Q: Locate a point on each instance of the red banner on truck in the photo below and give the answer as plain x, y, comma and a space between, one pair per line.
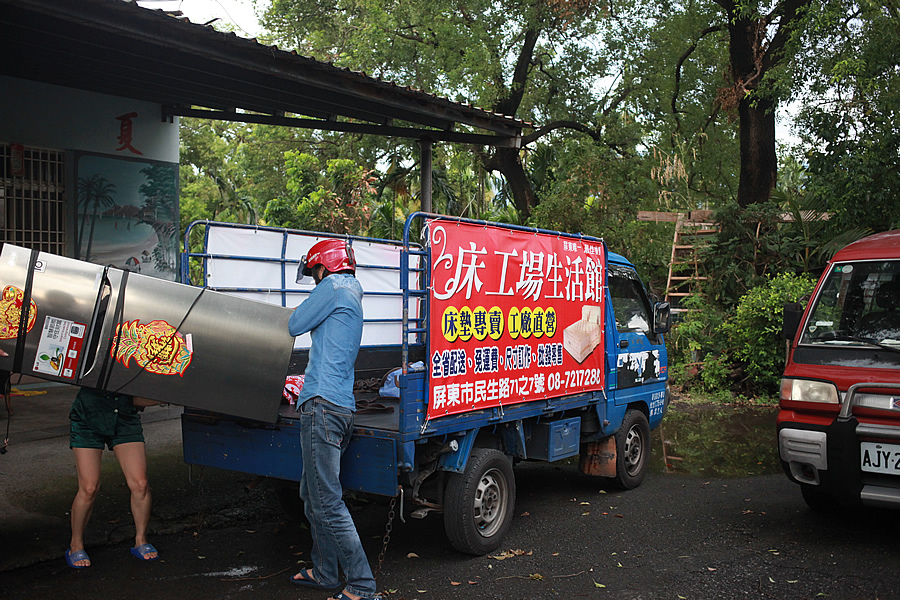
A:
516, 316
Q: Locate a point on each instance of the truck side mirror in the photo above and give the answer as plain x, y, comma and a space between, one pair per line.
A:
790, 322
662, 317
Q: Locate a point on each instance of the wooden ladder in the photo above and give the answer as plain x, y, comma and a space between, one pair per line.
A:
692, 230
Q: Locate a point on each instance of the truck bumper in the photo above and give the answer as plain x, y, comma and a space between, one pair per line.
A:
828, 457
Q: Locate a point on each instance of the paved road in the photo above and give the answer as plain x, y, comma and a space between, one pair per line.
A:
222, 535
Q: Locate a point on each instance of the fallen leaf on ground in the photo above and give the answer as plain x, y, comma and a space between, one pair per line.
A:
599, 585
455, 583
510, 553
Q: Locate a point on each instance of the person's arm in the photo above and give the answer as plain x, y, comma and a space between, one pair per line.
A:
312, 311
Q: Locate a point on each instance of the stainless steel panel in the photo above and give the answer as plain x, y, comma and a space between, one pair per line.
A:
193, 347
64, 294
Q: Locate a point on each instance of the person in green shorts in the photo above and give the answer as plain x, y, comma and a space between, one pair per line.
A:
104, 419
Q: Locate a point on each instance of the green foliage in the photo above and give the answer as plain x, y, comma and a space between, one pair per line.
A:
752, 245
337, 198
848, 120
741, 350
695, 343
754, 332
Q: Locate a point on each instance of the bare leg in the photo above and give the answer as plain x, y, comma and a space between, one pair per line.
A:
133, 460
87, 465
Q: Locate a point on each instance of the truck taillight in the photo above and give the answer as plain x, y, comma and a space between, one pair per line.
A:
807, 390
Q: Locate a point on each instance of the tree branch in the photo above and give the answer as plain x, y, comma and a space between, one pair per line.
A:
681, 60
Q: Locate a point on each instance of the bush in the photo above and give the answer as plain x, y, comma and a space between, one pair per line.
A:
754, 331
695, 343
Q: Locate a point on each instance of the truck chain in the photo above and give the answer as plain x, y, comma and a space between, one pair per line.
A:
387, 534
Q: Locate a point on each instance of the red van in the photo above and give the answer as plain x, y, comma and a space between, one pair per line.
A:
839, 418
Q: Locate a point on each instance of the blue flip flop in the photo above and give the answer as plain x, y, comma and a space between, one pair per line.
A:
343, 596
74, 557
143, 550
306, 580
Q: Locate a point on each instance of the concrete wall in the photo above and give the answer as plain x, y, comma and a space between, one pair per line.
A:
49, 116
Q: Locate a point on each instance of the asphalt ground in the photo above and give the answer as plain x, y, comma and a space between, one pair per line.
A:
228, 535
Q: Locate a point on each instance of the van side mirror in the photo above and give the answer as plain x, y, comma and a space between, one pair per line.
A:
662, 317
792, 313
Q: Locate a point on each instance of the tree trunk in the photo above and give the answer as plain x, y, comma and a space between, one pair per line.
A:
508, 162
759, 162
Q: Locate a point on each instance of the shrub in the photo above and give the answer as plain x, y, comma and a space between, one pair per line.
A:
694, 342
754, 332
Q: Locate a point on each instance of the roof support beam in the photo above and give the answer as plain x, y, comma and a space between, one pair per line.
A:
344, 126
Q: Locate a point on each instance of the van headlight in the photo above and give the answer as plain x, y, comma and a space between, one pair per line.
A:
807, 390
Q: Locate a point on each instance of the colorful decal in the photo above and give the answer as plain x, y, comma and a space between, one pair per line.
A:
517, 316
636, 368
156, 347
59, 347
11, 312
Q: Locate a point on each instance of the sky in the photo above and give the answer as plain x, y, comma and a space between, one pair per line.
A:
240, 13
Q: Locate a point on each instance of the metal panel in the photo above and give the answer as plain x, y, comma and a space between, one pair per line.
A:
368, 465
64, 294
193, 347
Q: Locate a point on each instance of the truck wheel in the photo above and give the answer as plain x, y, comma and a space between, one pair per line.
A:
816, 499
632, 450
478, 503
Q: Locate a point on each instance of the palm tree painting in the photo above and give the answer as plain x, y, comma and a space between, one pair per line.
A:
126, 214
94, 192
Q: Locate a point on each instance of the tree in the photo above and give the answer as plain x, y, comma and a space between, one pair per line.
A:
529, 59
761, 40
337, 198
850, 111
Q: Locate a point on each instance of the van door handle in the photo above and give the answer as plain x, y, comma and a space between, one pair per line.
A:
623, 344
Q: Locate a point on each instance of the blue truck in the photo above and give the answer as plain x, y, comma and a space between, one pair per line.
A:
484, 344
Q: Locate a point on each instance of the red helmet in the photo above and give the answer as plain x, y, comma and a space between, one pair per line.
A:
336, 255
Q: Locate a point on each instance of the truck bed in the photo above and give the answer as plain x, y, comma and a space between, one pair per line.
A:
367, 417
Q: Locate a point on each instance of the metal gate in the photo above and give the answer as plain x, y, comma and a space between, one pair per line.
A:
33, 198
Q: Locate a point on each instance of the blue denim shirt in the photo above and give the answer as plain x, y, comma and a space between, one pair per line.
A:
333, 314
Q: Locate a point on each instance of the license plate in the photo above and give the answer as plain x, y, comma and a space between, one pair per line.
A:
880, 458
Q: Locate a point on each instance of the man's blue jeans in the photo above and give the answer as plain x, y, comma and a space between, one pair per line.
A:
325, 430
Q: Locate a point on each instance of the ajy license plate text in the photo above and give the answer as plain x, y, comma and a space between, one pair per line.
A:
880, 458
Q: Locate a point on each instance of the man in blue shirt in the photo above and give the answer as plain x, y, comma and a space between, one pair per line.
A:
333, 315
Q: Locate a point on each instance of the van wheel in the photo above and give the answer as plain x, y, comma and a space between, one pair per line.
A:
478, 503
632, 450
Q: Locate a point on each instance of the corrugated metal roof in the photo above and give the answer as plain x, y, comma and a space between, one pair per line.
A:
118, 48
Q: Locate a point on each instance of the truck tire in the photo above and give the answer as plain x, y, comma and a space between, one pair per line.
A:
479, 502
632, 450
